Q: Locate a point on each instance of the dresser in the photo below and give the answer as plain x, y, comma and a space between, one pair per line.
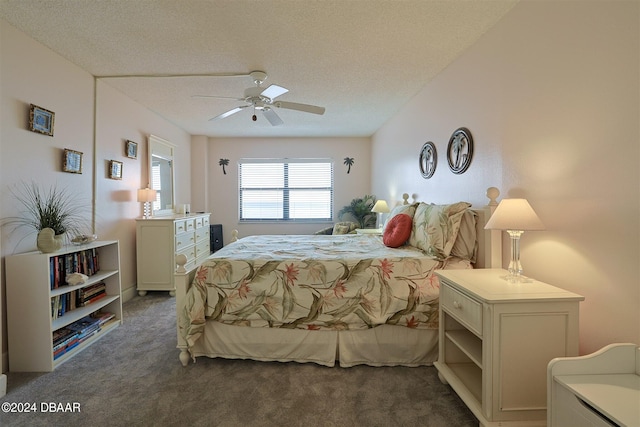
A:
496, 340
597, 390
160, 239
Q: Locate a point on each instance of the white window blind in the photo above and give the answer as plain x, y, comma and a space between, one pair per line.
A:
286, 189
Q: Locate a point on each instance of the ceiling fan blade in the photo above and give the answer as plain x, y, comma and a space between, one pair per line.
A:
273, 118
217, 97
299, 107
229, 113
274, 91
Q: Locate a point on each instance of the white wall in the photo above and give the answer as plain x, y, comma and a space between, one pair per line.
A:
31, 73
223, 193
121, 119
551, 96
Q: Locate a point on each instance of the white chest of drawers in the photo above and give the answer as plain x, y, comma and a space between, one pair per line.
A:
496, 339
160, 239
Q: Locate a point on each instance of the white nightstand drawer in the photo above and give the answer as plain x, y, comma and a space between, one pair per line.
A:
462, 307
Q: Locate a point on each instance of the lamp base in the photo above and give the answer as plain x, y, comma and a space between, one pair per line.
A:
516, 278
146, 210
515, 267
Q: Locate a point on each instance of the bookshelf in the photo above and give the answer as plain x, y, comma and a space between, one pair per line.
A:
39, 306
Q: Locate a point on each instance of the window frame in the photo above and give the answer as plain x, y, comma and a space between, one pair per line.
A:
286, 190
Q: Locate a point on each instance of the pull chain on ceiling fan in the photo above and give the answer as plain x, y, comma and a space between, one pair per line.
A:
263, 99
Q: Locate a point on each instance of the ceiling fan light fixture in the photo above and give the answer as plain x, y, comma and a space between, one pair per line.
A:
258, 77
263, 99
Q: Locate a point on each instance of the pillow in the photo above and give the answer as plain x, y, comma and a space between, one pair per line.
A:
324, 231
435, 228
466, 245
397, 231
402, 209
345, 227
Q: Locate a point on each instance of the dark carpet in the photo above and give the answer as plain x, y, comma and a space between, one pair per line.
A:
132, 377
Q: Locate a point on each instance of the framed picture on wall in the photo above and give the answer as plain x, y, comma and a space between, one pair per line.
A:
72, 162
115, 169
428, 159
131, 149
41, 120
460, 150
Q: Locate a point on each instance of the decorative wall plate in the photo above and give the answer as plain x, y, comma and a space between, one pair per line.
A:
428, 159
460, 150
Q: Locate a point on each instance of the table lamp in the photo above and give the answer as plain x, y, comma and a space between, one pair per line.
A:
145, 196
380, 208
515, 216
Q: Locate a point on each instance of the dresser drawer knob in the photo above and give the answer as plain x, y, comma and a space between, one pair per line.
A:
457, 305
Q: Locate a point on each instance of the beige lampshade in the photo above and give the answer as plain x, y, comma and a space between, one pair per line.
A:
514, 214
380, 207
146, 195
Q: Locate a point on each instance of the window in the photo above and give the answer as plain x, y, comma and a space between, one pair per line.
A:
286, 189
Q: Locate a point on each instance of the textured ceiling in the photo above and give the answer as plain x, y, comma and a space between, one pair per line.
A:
362, 60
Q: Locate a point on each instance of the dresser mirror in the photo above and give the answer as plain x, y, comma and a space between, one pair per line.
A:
161, 175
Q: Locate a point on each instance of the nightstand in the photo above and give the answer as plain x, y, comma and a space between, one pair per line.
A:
496, 340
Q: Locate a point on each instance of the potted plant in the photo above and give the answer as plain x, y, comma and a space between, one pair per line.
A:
359, 210
54, 214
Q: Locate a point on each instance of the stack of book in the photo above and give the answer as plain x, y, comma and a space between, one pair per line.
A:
65, 339
85, 328
103, 317
91, 294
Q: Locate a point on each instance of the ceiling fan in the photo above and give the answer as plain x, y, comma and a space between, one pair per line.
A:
264, 99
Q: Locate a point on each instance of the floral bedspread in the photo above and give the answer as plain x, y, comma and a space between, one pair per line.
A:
341, 282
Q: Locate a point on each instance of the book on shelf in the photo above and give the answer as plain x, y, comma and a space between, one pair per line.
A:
70, 336
91, 294
85, 327
84, 261
62, 334
90, 290
64, 349
93, 298
72, 340
103, 317
61, 304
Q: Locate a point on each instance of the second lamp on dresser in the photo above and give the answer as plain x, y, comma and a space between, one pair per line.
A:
160, 239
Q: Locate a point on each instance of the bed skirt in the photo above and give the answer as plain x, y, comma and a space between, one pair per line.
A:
384, 345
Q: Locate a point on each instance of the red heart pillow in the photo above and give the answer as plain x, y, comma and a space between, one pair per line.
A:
397, 231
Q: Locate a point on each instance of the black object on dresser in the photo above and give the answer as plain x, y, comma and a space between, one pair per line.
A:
215, 234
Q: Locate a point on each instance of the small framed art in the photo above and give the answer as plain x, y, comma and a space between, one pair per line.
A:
115, 169
460, 150
41, 120
428, 160
72, 161
131, 149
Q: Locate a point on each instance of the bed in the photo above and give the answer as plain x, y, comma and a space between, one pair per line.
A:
347, 299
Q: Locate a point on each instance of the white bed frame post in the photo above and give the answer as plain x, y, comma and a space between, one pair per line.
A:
182, 279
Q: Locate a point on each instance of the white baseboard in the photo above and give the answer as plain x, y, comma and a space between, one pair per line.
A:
129, 293
3, 385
